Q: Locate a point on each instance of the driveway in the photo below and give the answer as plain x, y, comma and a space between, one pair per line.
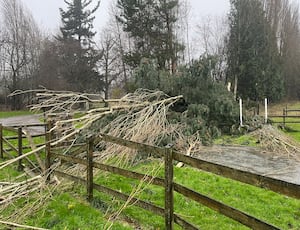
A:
23, 121
253, 160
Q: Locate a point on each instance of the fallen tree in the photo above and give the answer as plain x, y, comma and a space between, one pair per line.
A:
141, 116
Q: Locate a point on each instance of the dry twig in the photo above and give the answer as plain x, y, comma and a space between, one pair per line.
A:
272, 140
139, 117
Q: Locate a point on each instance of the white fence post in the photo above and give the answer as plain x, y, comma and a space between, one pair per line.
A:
266, 110
241, 112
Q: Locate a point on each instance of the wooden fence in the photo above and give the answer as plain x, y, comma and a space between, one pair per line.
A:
169, 155
289, 116
13, 146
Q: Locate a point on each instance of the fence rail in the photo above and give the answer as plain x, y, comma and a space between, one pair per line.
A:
169, 155
18, 147
286, 116
289, 189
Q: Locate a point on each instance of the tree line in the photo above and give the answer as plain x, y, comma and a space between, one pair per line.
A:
253, 53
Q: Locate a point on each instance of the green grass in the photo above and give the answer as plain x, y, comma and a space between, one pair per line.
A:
65, 211
69, 210
25, 142
7, 114
8, 174
242, 140
291, 129
266, 205
14, 142
271, 207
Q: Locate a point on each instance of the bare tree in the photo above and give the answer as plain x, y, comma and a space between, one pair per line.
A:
290, 52
20, 36
114, 42
108, 62
211, 34
283, 16
182, 31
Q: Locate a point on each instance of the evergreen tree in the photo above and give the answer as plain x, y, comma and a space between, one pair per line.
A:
78, 22
78, 56
207, 107
150, 25
253, 57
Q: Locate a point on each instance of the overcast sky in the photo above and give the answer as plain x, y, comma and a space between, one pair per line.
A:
46, 12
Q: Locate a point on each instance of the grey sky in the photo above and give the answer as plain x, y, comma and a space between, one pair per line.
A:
46, 12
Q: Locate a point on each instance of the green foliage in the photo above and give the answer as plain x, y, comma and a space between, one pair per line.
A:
79, 70
252, 53
200, 88
77, 55
209, 105
147, 75
77, 21
150, 24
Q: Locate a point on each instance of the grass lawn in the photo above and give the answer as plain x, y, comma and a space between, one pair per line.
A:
69, 210
244, 140
6, 114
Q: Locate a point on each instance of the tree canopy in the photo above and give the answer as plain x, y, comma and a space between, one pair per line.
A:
79, 56
150, 25
252, 52
77, 21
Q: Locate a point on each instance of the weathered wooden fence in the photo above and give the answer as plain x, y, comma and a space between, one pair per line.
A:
289, 116
169, 155
12, 146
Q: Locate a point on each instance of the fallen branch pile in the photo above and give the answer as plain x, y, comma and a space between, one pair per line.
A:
273, 140
139, 116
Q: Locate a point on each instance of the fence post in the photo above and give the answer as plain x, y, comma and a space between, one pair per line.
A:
89, 184
20, 146
266, 110
169, 203
241, 112
48, 137
1, 141
284, 115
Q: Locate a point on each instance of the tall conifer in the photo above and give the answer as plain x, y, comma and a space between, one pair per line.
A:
252, 52
79, 56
